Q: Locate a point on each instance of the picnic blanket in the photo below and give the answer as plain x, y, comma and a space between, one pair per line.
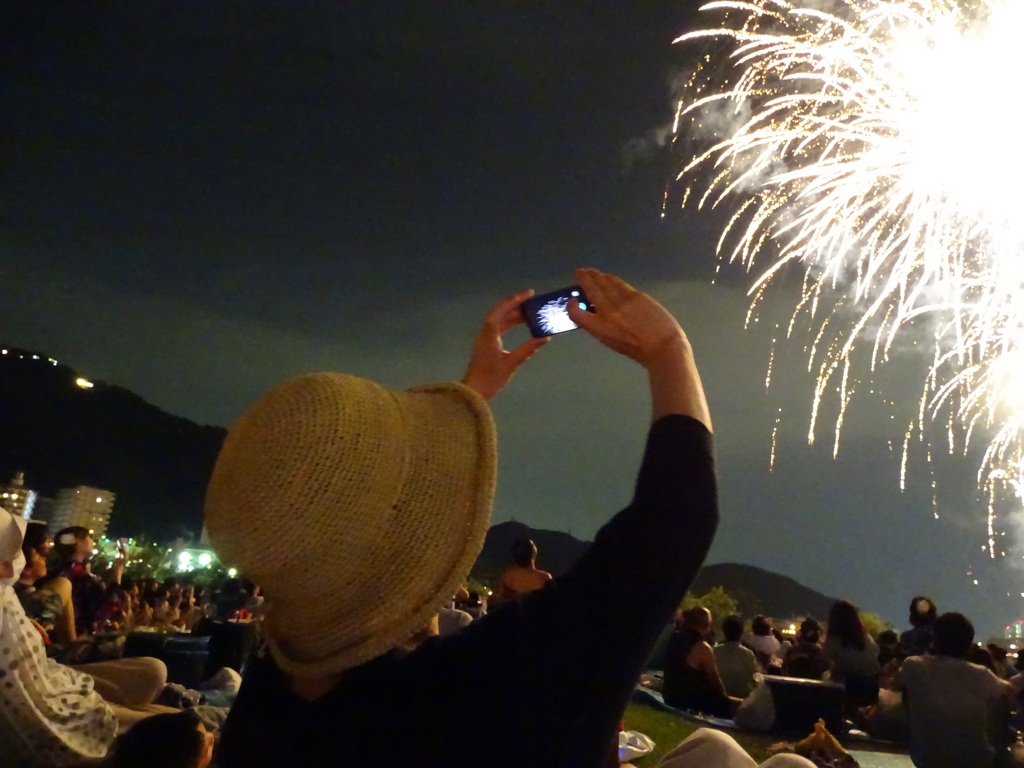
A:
858, 744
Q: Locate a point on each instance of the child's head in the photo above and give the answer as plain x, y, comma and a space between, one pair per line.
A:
177, 740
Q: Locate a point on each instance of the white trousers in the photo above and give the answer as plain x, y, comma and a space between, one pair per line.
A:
708, 748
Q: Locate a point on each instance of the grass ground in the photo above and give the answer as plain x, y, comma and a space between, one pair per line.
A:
667, 730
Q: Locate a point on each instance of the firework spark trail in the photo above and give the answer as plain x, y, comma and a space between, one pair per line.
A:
876, 146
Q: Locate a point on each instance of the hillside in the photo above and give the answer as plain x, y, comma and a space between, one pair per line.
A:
61, 434
761, 591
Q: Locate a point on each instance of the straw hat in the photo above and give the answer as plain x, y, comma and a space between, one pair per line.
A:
358, 509
12, 533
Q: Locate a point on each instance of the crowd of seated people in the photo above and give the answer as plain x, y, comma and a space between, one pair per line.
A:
70, 605
65, 696
957, 703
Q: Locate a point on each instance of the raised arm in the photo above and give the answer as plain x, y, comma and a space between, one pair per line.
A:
635, 325
491, 365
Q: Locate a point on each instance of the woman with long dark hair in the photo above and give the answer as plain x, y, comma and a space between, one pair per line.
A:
852, 654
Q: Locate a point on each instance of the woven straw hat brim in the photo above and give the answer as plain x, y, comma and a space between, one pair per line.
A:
358, 509
12, 534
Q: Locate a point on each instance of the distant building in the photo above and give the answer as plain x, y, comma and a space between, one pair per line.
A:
84, 506
17, 499
43, 510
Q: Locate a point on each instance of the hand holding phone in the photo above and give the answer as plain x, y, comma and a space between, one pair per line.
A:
547, 314
491, 365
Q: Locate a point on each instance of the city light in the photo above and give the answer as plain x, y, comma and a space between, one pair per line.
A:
232, 572
205, 559
83, 383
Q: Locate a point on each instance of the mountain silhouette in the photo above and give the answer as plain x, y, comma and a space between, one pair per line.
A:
62, 433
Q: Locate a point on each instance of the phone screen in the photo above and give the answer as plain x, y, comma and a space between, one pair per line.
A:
546, 314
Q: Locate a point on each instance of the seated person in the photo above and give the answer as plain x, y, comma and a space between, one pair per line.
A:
229, 600
188, 611
917, 641
1001, 659
122, 603
178, 740
736, 663
762, 641
390, 517
451, 620
957, 709
46, 601
806, 658
691, 674
523, 575
852, 655
888, 647
474, 606
166, 604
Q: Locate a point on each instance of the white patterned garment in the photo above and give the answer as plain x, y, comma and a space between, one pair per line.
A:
49, 713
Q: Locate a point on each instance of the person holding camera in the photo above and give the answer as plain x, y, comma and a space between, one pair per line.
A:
390, 493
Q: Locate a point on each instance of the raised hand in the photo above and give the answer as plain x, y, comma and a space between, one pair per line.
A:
490, 364
635, 325
626, 320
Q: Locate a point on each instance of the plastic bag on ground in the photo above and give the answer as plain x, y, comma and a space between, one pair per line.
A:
633, 744
757, 712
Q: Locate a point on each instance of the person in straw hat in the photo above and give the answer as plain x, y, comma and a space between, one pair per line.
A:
389, 493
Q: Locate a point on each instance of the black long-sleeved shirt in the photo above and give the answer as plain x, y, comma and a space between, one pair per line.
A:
540, 681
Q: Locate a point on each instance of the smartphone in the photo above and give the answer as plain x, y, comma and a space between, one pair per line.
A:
546, 314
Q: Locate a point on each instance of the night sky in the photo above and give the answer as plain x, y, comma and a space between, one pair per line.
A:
199, 199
